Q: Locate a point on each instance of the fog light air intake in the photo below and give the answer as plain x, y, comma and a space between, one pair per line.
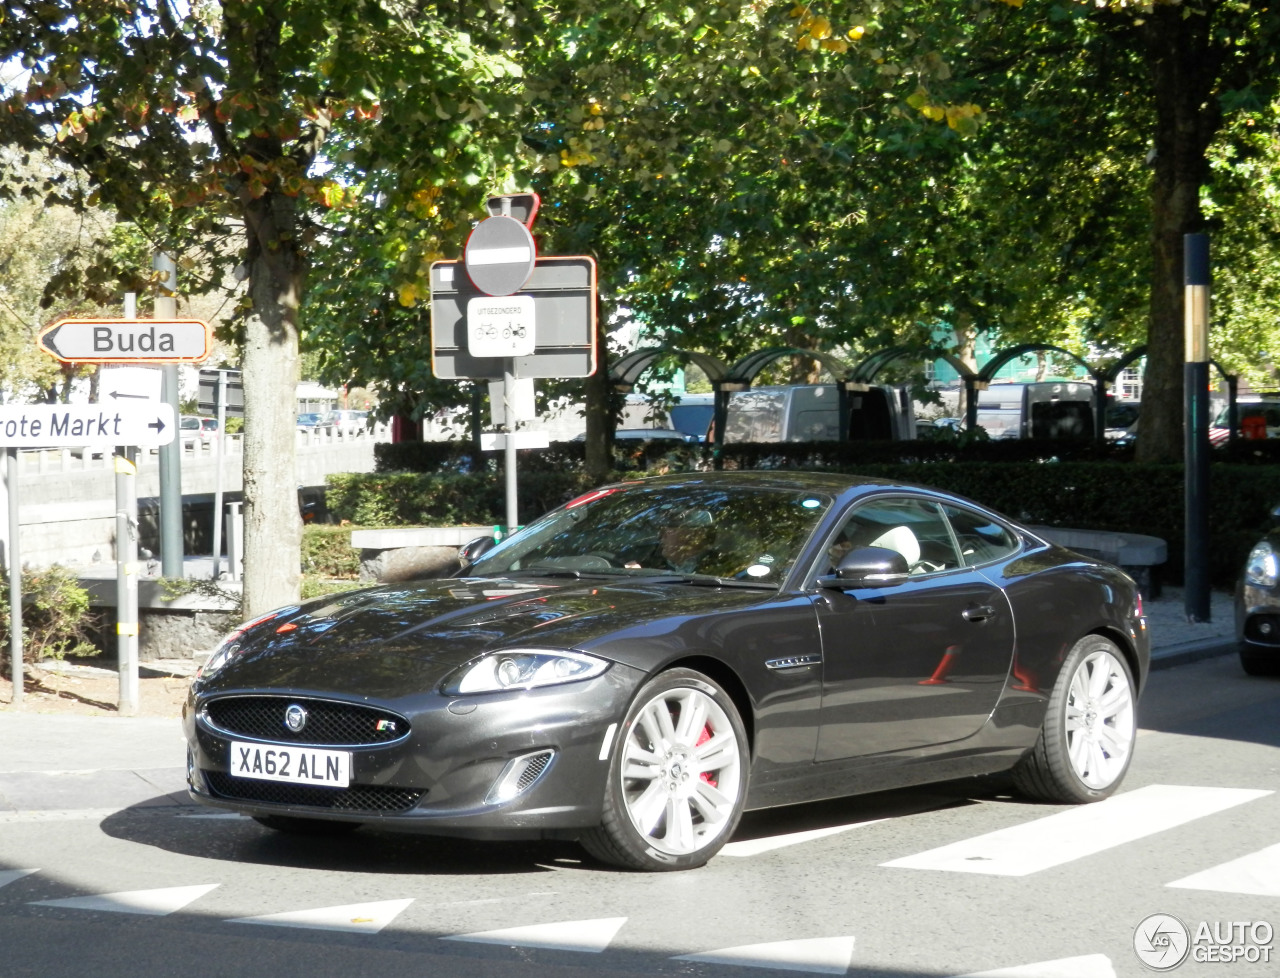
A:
520, 774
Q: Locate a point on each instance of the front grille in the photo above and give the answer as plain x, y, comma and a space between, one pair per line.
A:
357, 798
329, 723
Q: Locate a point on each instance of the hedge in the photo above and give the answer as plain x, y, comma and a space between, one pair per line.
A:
1056, 484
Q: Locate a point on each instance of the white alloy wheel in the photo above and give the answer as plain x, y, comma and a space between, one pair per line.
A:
681, 771
677, 780
1100, 722
1089, 729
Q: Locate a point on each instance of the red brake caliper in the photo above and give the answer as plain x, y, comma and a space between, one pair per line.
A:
702, 739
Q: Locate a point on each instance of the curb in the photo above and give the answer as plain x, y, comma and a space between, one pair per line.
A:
1187, 652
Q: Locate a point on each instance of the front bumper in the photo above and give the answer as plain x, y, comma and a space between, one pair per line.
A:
443, 777
1257, 612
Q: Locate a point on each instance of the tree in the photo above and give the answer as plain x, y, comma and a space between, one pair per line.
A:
200, 121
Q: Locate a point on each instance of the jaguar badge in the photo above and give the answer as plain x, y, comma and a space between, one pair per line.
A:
295, 717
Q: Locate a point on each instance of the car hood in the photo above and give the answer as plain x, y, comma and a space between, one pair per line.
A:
387, 641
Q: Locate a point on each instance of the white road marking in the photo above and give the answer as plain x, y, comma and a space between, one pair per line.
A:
590, 936
1085, 966
59, 815
1078, 832
753, 847
8, 876
152, 903
821, 955
351, 918
1257, 874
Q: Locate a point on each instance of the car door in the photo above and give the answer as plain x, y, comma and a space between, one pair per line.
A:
916, 663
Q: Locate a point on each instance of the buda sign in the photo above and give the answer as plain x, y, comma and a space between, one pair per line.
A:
127, 341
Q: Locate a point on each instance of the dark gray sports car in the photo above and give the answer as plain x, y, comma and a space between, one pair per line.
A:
641, 665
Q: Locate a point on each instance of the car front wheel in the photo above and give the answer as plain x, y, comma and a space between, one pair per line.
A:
677, 777
1086, 741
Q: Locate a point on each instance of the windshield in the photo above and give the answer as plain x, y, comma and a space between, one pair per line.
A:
747, 533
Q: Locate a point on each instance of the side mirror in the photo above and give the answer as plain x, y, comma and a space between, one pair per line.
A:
868, 567
473, 550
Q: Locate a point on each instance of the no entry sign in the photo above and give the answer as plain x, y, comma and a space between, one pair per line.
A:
499, 256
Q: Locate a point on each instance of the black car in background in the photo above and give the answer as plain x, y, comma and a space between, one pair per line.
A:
1258, 606
638, 667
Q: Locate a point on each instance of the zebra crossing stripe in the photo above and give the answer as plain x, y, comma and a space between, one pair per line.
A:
351, 918
1257, 874
8, 876
151, 903
1084, 966
754, 847
822, 955
589, 936
1078, 832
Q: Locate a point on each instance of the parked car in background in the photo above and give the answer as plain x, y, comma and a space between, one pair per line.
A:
1257, 419
312, 422
643, 664
1258, 606
811, 412
347, 421
193, 428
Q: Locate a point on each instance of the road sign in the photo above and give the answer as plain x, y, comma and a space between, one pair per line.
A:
118, 383
500, 326
77, 425
563, 289
127, 340
499, 256
207, 399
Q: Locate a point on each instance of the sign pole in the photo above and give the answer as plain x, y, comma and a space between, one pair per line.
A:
15, 580
127, 578
1196, 602
171, 545
220, 393
509, 425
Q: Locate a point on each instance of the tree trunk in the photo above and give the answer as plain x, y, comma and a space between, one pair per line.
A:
1187, 117
272, 524
599, 407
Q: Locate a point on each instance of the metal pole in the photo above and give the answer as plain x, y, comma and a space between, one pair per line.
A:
509, 457
127, 578
1196, 382
171, 544
220, 399
15, 580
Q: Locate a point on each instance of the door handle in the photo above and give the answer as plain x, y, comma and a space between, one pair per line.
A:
980, 613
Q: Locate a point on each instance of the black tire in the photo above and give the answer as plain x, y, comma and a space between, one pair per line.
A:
1083, 751
686, 794
1256, 664
293, 825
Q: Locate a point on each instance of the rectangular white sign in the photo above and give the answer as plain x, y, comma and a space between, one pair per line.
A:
497, 441
74, 425
500, 326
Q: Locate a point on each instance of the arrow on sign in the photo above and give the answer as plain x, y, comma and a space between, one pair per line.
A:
127, 341
158, 425
136, 397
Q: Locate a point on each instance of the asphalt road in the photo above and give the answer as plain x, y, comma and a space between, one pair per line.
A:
106, 871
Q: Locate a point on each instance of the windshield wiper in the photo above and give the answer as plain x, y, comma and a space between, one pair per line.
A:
706, 580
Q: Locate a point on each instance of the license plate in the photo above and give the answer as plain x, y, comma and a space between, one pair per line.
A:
296, 765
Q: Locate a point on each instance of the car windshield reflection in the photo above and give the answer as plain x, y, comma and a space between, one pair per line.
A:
698, 534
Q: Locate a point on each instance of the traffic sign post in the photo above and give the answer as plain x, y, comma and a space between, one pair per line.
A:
482, 329
127, 341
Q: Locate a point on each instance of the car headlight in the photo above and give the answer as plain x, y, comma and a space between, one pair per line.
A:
230, 645
523, 669
1262, 569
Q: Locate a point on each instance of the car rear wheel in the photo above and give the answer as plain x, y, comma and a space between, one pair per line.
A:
677, 777
1086, 741
294, 825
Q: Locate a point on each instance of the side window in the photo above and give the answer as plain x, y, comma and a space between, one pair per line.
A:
980, 538
914, 528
